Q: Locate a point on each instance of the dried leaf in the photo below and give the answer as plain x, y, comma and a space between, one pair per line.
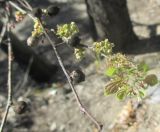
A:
151, 79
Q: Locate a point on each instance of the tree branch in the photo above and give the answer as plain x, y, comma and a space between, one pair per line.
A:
9, 100
3, 32
81, 106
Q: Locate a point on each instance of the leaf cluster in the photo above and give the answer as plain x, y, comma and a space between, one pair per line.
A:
127, 78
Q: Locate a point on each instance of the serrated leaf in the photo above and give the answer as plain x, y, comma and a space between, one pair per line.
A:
122, 92
112, 87
151, 79
121, 95
110, 71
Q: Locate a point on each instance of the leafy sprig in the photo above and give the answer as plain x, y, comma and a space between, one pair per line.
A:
127, 78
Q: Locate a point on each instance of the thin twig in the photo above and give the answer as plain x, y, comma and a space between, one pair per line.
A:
21, 10
3, 31
29, 6
81, 106
25, 4
9, 100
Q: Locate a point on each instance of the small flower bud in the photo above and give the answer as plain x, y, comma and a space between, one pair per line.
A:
37, 12
77, 76
79, 53
19, 16
53, 10
74, 41
20, 107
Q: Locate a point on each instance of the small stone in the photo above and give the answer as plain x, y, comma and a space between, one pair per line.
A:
53, 127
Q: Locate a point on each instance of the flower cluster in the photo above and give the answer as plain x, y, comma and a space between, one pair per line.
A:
103, 47
119, 61
79, 53
38, 30
66, 31
19, 16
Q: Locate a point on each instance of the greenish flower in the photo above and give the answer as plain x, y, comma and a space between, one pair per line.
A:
66, 31
38, 29
103, 47
79, 53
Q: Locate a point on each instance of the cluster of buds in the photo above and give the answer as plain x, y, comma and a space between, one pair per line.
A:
19, 16
103, 47
36, 33
69, 33
119, 61
79, 53
38, 29
66, 31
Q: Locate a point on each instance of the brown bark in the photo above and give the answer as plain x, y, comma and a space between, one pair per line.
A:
112, 21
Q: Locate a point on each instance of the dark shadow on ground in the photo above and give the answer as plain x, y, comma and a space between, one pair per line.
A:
145, 45
148, 45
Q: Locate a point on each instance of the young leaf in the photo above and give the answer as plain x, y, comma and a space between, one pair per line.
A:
143, 67
141, 93
121, 95
110, 71
113, 86
122, 92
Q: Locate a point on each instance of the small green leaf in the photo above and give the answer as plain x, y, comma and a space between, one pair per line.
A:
131, 70
121, 95
112, 87
141, 93
122, 92
143, 67
110, 71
